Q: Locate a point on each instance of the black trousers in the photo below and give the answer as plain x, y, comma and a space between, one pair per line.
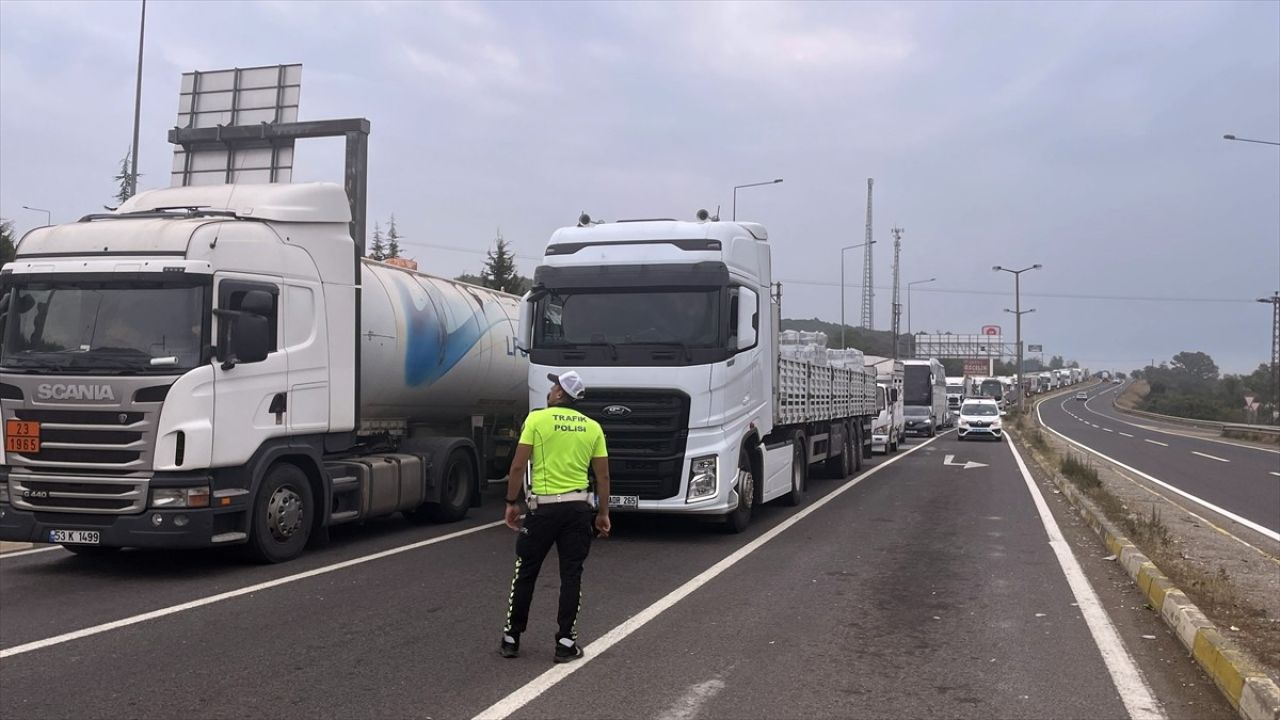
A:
568, 527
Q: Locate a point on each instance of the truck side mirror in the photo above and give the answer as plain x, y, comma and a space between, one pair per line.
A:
748, 318
524, 324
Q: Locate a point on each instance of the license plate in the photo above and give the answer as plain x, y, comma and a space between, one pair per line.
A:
624, 501
75, 537
21, 436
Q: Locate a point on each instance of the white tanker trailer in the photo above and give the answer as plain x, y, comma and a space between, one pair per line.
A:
201, 368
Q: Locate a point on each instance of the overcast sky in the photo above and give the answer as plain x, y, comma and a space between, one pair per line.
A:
1086, 137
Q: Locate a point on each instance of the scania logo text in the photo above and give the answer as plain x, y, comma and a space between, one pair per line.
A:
617, 411
67, 391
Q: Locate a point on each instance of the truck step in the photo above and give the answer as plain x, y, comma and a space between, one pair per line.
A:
227, 537
342, 517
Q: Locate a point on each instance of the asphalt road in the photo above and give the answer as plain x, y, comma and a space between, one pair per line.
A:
920, 589
1226, 476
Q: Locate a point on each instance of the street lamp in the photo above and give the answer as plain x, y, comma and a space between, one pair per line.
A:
909, 286
843, 344
1274, 302
749, 185
1240, 139
48, 216
1018, 312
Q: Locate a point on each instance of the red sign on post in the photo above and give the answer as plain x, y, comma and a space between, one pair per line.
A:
990, 329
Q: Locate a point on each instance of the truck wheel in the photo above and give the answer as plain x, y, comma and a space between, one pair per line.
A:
839, 466
455, 491
862, 449
282, 515
740, 517
91, 550
799, 472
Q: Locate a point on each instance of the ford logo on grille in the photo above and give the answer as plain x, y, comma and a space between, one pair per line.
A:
617, 411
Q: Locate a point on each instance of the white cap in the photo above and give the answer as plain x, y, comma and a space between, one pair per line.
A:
570, 382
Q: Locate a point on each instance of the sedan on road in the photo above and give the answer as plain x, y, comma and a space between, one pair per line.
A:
980, 417
1082, 396
919, 421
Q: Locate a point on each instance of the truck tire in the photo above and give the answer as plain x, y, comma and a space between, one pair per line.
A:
839, 466
740, 517
799, 472
456, 484
283, 509
863, 448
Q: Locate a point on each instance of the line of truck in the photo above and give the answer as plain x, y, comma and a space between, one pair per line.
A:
217, 365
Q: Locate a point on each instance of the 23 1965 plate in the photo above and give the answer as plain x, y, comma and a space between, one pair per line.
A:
22, 436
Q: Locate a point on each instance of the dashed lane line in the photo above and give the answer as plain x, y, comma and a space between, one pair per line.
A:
1261, 530
1155, 442
1126, 434
1211, 457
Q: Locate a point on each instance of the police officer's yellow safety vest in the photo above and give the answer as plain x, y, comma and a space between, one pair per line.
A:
564, 442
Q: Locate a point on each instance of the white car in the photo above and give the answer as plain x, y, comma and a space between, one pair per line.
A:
1082, 396
980, 417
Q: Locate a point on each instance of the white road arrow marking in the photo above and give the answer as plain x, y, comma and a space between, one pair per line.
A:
950, 460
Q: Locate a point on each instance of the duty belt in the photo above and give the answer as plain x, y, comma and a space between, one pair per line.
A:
574, 496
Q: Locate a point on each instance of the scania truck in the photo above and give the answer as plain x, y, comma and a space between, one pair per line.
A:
673, 326
216, 365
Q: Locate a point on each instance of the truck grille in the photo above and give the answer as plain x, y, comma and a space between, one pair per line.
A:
91, 439
78, 493
647, 433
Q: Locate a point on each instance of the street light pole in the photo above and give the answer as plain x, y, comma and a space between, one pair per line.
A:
137, 106
1274, 302
1018, 312
1240, 139
843, 343
48, 216
909, 286
749, 185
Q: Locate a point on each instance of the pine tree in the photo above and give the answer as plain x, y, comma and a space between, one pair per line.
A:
377, 250
499, 271
7, 244
393, 240
125, 179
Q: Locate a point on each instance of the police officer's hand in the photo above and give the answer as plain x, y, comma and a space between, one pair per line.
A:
602, 523
513, 516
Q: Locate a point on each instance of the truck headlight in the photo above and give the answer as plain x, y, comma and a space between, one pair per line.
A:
880, 430
703, 478
191, 497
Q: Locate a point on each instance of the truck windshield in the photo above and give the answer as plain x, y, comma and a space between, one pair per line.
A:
686, 318
109, 327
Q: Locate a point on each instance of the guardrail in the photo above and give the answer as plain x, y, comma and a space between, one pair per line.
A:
1271, 432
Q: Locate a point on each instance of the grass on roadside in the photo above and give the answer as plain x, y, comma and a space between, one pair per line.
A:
1080, 471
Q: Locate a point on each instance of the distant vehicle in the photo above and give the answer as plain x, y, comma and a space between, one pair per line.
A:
888, 430
955, 395
925, 388
1116, 381
980, 417
1082, 396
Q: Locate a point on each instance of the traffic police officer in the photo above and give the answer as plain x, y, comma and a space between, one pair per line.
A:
562, 443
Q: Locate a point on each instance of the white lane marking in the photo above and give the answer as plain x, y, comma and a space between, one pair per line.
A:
1211, 457
1155, 442
524, 695
1126, 434
687, 707
1108, 429
1276, 474
20, 553
201, 602
1203, 503
1219, 441
1134, 691
1093, 425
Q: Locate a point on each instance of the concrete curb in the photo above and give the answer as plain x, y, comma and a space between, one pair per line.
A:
1251, 692
8, 547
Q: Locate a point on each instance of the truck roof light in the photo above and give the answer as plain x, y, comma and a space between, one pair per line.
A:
584, 220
